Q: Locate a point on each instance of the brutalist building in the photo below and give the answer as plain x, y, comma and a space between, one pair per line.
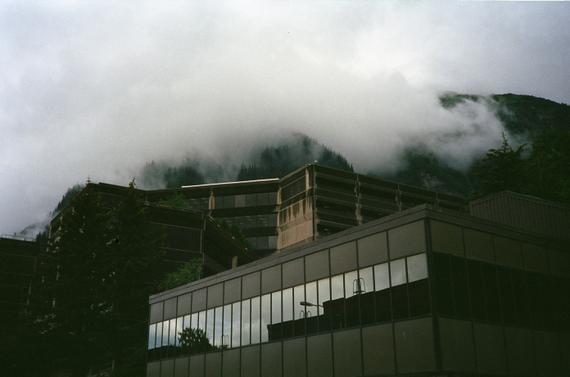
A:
423, 292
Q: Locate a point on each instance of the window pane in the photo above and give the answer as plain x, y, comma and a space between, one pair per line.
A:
299, 296
245, 322
417, 267
398, 272
186, 323
337, 286
381, 277
287, 304
350, 283
158, 334
255, 320
179, 322
265, 316
236, 324
366, 281
202, 320
210, 325
276, 307
324, 287
151, 335
311, 299
172, 334
165, 333
227, 326
218, 326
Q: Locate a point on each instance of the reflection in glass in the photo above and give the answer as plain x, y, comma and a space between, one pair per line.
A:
172, 334
351, 285
366, 280
186, 323
236, 324
398, 272
218, 326
276, 307
311, 293
202, 320
299, 296
381, 277
417, 268
179, 321
165, 333
227, 325
210, 325
245, 322
265, 316
324, 294
287, 304
337, 287
151, 335
194, 321
158, 334
255, 320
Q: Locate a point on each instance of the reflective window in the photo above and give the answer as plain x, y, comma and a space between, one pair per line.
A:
172, 334
151, 336
351, 284
287, 304
186, 323
265, 316
165, 333
299, 297
417, 268
381, 277
210, 325
337, 287
194, 321
246, 322
366, 280
255, 320
324, 288
236, 324
179, 322
218, 326
227, 325
202, 320
275, 315
159, 334
398, 272
311, 299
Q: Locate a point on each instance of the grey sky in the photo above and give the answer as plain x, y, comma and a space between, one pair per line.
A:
99, 88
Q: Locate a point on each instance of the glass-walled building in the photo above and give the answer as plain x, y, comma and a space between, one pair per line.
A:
421, 292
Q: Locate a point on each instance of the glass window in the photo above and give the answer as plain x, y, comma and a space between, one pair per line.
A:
159, 334
324, 287
218, 323
172, 335
276, 307
311, 299
194, 321
151, 336
165, 333
417, 268
299, 297
337, 287
245, 323
210, 325
287, 304
236, 324
265, 316
351, 284
398, 272
381, 277
365, 280
255, 320
186, 323
227, 331
240, 200
179, 322
202, 320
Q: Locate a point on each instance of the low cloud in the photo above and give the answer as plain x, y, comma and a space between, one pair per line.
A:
99, 89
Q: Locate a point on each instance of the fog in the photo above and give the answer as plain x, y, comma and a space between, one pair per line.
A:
97, 89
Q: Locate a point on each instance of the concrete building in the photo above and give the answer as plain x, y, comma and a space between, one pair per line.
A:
421, 292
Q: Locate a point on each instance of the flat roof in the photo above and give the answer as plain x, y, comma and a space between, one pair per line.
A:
264, 180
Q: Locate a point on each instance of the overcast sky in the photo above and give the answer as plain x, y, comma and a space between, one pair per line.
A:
96, 89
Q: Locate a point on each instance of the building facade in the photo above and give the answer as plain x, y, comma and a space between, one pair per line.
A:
422, 292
